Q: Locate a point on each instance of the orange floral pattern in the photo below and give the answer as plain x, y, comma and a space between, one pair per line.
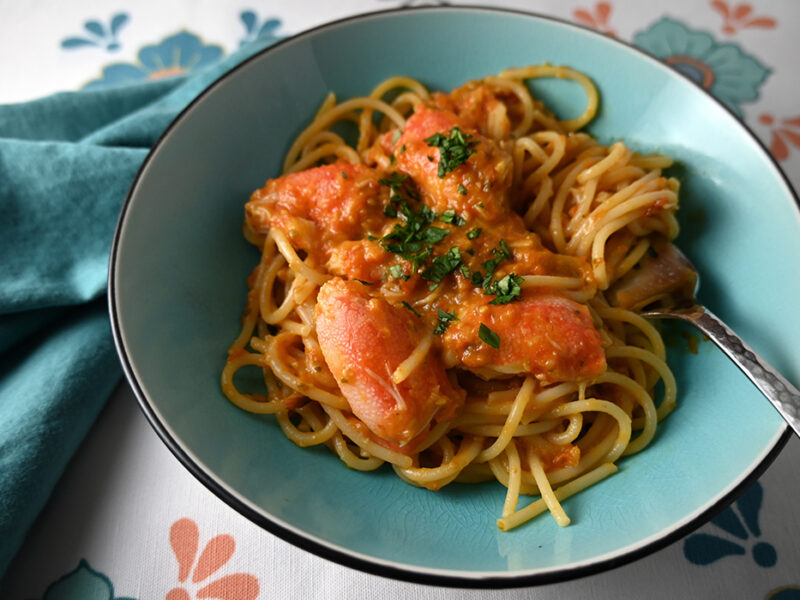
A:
740, 16
784, 135
184, 538
596, 18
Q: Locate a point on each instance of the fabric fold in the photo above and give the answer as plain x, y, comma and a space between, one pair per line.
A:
66, 164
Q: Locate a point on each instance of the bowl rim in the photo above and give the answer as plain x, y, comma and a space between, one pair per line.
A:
357, 560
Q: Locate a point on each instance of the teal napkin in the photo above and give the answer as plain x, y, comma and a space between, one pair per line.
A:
66, 163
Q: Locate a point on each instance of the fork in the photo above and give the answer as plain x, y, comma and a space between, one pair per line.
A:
782, 394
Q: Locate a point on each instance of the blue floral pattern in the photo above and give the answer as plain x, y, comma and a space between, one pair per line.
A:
175, 55
722, 68
706, 548
256, 30
84, 583
97, 35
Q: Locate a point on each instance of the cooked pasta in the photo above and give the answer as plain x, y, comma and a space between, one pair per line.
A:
433, 290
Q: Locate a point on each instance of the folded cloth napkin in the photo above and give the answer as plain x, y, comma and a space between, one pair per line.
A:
66, 163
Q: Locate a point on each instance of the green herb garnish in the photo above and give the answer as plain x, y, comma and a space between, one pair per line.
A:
432, 235
474, 233
396, 271
412, 238
462, 190
450, 216
506, 289
344, 174
454, 149
394, 181
362, 282
442, 266
500, 255
489, 336
477, 278
445, 318
411, 308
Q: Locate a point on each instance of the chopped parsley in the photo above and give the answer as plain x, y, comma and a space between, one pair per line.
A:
432, 235
442, 266
396, 271
344, 174
500, 255
450, 216
454, 149
464, 270
396, 136
411, 308
489, 336
394, 181
506, 289
413, 238
402, 148
415, 252
462, 190
445, 318
474, 233
491, 265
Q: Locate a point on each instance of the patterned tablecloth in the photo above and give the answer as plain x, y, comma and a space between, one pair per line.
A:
127, 521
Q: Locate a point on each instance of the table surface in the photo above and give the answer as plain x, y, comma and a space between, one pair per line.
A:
115, 525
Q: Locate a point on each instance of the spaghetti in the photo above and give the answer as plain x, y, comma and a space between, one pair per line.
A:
434, 294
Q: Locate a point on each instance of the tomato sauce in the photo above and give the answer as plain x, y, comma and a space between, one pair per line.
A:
432, 245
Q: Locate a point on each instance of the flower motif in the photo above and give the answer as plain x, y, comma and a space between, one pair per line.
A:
738, 17
175, 55
83, 582
256, 31
788, 132
597, 18
706, 548
184, 538
722, 68
97, 34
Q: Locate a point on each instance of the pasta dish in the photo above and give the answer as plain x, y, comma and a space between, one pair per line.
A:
448, 284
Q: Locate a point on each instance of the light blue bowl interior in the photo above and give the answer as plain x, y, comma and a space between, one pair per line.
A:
182, 263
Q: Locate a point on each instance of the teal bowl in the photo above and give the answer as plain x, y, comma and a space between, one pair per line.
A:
177, 288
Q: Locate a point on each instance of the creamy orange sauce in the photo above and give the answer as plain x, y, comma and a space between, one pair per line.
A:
379, 306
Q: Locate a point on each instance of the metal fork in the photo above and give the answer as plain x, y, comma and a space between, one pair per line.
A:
782, 394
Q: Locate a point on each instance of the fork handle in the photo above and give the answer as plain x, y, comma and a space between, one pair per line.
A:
783, 395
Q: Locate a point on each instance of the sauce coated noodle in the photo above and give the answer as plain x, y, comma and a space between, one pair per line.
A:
433, 294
